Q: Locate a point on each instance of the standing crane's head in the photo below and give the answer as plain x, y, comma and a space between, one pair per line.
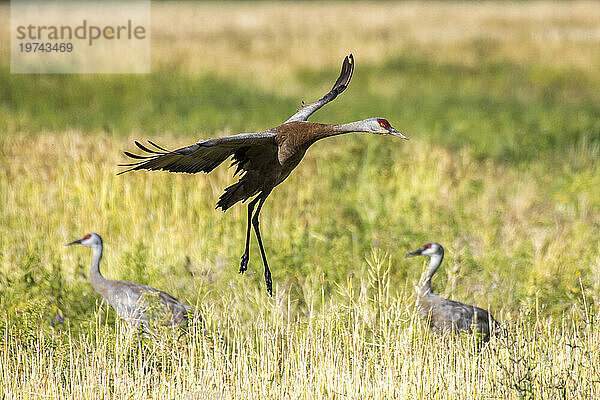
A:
429, 249
90, 240
380, 126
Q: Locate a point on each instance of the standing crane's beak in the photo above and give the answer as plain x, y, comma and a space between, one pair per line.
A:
78, 241
414, 253
394, 132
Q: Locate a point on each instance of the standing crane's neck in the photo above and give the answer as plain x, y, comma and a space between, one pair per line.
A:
424, 286
95, 276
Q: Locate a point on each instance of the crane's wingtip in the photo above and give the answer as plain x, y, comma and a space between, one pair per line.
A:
157, 146
135, 156
150, 151
127, 170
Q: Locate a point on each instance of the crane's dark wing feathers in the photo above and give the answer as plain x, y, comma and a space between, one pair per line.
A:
157, 146
147, 150
203, 156
338, 87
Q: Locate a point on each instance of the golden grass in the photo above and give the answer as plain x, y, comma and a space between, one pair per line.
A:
266, 37
521, 240
497, 221
268, 42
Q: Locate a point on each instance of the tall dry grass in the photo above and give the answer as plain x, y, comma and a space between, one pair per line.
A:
365, 344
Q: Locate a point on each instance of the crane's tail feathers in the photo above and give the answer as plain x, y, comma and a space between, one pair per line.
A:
229, 198
234, 193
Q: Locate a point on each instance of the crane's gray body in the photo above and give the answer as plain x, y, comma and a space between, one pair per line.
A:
444, 315
137, 303
133, 302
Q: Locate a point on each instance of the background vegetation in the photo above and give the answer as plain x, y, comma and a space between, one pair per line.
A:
501, 104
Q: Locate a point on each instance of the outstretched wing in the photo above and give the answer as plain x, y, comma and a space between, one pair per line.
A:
203, 156
340, 85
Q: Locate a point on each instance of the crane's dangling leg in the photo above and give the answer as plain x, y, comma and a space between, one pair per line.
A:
246, 255
255, 223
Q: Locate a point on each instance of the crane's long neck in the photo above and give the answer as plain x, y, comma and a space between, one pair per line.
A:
357, 126
424, 286
334, 130
95, 276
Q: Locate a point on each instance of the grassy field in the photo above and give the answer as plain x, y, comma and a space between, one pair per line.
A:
501, 103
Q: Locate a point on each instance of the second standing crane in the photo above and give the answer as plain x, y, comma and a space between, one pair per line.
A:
443, 314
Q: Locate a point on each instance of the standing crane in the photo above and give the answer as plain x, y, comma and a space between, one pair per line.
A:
265, 159
443, 314
134, 302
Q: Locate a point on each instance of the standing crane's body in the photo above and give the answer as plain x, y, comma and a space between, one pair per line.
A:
133, 302
266, 159
444, 315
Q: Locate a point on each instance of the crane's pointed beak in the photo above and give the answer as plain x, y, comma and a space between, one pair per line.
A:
414, 253
396, 133
78, 241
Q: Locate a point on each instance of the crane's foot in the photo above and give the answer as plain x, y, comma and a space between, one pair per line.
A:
244, 263
269, 282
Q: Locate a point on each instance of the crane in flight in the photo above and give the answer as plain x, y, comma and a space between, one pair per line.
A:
264, 159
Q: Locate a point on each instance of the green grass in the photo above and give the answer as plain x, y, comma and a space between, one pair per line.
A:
504, 111
513, 134
511, 131
155, 103
513, 232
